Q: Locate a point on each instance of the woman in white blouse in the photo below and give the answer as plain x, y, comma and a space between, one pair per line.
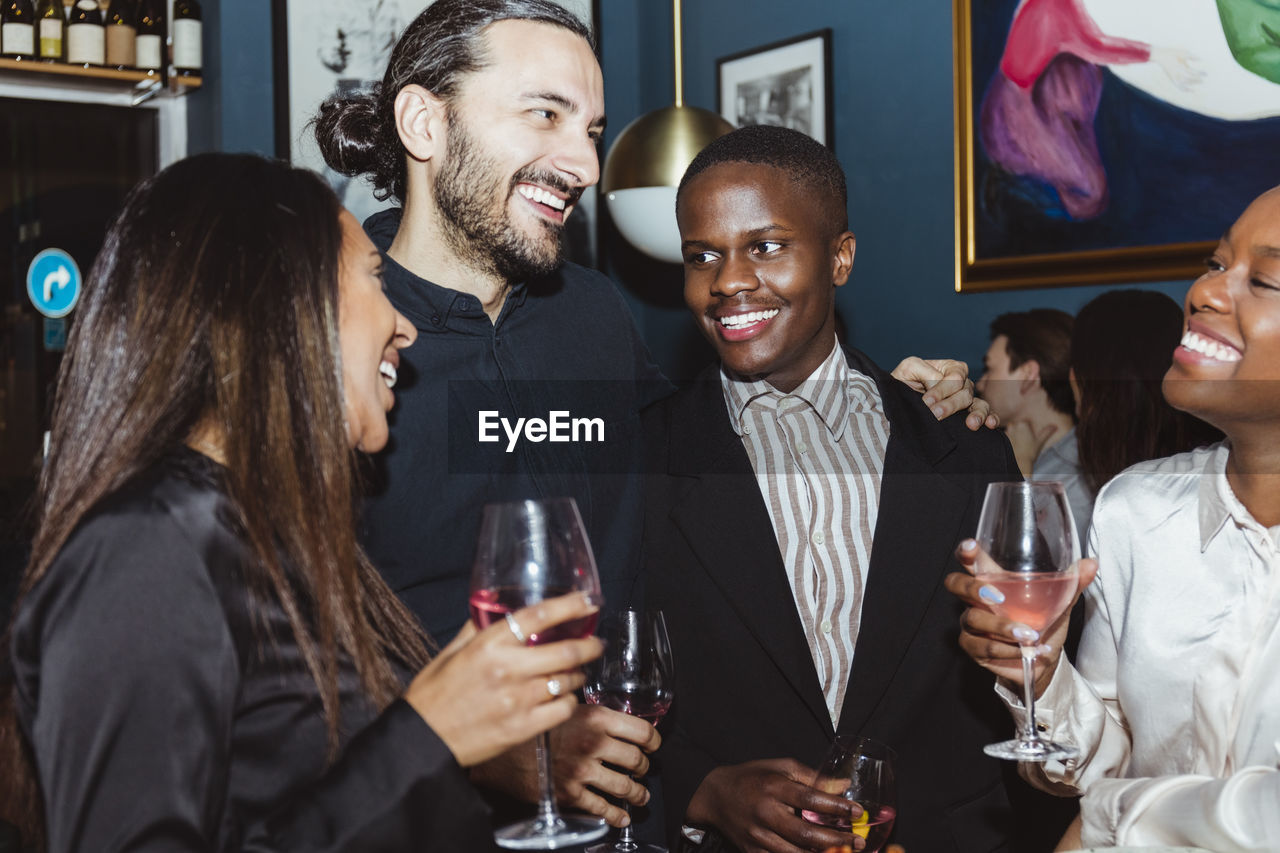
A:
1174, 699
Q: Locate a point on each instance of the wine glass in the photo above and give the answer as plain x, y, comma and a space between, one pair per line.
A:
860, 769
528, 551
635, 676
1028, 550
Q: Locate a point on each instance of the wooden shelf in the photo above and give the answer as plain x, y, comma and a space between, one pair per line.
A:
148, 82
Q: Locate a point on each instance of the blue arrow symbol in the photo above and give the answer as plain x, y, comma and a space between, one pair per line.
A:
61, 277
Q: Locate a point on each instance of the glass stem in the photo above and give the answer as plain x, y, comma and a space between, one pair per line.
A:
547, 801
626, 839
1029, 733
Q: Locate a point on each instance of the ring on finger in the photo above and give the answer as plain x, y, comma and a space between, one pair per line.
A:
515, 630
554, 687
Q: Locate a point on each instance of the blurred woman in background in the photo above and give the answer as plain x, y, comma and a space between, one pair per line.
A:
1120, 351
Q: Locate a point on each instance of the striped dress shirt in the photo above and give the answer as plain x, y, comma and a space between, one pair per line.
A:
818, 455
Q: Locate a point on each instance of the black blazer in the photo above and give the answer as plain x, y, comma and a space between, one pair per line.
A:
746, 687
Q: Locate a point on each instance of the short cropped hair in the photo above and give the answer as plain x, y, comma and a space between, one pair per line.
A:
1042, 335
806, 160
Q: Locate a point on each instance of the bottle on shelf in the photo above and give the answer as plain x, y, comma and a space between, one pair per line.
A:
151, 35
17, 29
86, 36
51, 30
122, 34
188, 55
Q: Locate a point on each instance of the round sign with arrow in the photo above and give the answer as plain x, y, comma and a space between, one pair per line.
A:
53, 283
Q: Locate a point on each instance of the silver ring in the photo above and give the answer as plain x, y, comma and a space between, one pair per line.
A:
554, 687
515, 630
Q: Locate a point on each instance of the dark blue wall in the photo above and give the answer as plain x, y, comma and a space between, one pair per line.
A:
234, 110
892, 81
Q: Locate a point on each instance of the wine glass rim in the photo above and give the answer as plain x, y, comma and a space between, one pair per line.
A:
1028, 486
866, 745
537, 501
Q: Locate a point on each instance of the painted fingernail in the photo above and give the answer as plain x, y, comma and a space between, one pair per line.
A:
990, 593
969, 545
1023, 634
937, 411
1044, 649
929, 399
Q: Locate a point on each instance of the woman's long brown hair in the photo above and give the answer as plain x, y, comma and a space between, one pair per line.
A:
1121, 346
213, 304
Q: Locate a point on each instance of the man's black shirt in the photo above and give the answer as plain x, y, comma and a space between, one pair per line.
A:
562, 343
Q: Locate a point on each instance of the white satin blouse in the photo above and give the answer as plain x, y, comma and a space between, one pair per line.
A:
1174, 700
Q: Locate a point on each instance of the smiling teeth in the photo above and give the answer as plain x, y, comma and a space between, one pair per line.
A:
737, 321
1210, 348
388, 371
541, 196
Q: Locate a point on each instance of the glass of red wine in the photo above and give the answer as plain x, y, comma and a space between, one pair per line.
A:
634, 675
1028, 550
529, 551
860, 769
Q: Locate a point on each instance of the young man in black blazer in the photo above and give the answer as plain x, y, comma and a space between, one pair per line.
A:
802, 512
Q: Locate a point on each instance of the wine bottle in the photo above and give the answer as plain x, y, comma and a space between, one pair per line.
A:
17, 29
86, 37
51, 25
122, 35
151, 35
188, 55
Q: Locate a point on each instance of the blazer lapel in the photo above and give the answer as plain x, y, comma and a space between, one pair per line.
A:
726, 523
917, 528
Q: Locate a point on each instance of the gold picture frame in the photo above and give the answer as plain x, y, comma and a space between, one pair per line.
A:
1055, 258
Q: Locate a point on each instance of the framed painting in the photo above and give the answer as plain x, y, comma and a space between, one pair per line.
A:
787, 83
339, 47
1104, 141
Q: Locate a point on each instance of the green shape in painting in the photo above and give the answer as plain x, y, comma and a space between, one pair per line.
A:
1252, 28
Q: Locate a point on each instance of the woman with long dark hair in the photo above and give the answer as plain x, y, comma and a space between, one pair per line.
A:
203, 657
1120, 347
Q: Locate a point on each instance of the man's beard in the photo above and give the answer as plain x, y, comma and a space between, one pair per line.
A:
474, 201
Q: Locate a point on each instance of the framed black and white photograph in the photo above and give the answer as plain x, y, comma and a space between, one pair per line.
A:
327, 47
787, 83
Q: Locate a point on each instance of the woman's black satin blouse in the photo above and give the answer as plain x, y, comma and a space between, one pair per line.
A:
168, 707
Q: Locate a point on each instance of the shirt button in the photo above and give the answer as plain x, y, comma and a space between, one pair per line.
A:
435, 319
819, 539
802, 447
746, 430
826, 626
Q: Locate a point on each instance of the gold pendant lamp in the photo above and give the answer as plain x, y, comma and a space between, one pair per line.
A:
646, 162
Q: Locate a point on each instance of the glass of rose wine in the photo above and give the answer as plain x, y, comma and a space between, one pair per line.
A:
634, 675
860, 769
1028, 551
529, 551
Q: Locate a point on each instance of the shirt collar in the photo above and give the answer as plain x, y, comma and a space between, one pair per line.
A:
427, 304
826, 390
1218, 503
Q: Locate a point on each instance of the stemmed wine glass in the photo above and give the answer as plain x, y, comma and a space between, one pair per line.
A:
860, 769
529, 551
1028, 550
635, 676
